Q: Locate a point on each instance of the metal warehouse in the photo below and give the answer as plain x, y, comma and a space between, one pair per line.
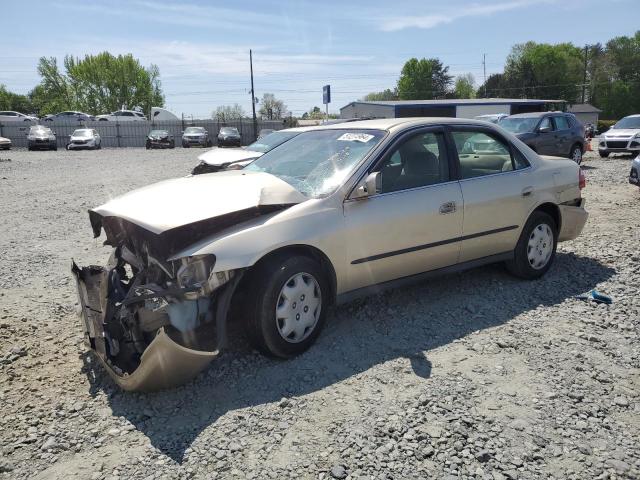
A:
461, 108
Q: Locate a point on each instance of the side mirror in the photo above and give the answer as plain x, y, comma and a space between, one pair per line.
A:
372, 185
544, 129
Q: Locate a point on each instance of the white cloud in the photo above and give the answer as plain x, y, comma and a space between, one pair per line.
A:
394, 24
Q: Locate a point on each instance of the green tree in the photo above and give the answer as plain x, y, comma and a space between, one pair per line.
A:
423, 79
464, 86
541, 70
496, 86
385, 95
271, 108
15, 101
98, 84
615, 79
227, 113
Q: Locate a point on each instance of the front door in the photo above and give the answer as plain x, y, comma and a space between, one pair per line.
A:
414, 222
547, 138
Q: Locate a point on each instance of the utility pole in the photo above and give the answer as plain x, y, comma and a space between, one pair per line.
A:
484, 71
253, 98
584, 78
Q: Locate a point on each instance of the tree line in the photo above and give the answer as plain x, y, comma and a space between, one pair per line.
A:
607, 76
94, 84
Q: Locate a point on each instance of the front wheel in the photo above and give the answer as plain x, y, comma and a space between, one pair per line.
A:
536, 248
576, 154
287, 305
603, 154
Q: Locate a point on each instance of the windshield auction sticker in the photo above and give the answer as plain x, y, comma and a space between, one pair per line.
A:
355, 137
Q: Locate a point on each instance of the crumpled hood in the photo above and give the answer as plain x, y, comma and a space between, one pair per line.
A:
222, 156
182, 201
621, 132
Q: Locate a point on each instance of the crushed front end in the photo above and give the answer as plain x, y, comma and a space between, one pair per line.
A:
154, 324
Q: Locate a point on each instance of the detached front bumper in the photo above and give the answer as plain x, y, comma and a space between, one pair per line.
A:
165, 362
573, 220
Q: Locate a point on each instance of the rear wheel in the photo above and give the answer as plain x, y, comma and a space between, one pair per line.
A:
287, 305
536, 248
576, 154
603, 154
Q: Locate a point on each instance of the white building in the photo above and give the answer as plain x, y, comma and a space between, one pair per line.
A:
461, 108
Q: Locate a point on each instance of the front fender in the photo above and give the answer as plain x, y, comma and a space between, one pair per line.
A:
242, 246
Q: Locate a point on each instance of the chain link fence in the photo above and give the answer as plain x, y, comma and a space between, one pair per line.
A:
134, 133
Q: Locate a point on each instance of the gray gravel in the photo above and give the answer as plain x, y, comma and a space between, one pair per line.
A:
477, 375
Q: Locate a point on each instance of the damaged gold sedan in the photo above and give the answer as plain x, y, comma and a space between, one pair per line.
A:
336, 212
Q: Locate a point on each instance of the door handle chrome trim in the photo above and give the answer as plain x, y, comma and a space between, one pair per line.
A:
527, 191
448, 207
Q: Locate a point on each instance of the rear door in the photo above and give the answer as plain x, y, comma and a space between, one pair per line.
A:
497, 189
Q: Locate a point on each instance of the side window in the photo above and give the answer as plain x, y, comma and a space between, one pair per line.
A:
481, 153
546, 123
561, 123
519, 159
418, 161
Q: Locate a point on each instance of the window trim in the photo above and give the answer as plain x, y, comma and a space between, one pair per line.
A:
390, 149
490, 132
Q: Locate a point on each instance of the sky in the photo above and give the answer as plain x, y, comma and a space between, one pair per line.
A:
202, 48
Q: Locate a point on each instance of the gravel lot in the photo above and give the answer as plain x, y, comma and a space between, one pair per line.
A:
477, 375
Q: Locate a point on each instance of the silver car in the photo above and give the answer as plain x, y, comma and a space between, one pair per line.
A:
195, 137
336, 212
634, 174
623, 137
85, 138
40, 137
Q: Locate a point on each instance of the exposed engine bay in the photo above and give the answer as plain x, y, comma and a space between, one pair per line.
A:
140, 308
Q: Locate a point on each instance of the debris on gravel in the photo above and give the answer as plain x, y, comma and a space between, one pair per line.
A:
475, 376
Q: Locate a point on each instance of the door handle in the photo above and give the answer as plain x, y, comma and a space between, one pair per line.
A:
448, 207
527, 191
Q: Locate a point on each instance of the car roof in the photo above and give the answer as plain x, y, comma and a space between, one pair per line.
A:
392, 124
537, 114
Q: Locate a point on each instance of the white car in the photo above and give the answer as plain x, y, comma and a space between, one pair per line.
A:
493, 118
218, 159
85, 138
5, 143
10, 116
122, 116
623, 137
68, 117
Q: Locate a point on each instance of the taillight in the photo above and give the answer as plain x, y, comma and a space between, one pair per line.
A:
582, 180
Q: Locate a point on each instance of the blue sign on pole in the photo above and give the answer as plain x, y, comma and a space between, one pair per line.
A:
326, 94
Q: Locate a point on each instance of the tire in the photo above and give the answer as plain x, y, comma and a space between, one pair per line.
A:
575, 153
523, 265
147, 146
67, 147
603, 154
185, 145
267, 289
30, 149
100, 145
172, 145
54, 148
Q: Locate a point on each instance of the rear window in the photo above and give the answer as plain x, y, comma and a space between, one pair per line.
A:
561, 123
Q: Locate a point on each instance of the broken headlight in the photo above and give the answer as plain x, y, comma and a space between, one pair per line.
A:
194, 271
